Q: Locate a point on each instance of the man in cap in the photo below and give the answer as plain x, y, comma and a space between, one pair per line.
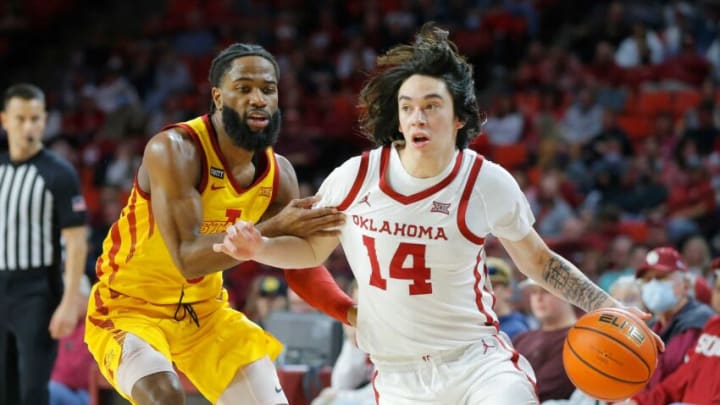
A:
677, 317
715, 301
512, 322
543, 346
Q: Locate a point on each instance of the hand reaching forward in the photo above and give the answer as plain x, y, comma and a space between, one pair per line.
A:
299, 219
645, 316
241, 242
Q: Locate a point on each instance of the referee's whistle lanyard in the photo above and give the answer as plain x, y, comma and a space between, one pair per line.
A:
183, 309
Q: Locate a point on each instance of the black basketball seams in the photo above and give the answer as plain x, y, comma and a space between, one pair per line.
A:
630, 349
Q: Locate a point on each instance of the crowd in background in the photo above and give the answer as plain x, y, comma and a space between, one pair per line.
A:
606, 112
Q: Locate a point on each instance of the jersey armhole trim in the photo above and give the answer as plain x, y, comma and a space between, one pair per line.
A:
465, 199
359, 180
275, 170
204, 161
136, 182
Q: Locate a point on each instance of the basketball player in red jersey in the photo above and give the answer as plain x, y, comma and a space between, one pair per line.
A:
159, 300
417, 217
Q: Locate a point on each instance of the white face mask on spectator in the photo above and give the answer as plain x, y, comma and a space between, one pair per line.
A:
658, 296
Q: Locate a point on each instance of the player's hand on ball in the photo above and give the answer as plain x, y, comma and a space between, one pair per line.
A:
241, 242
645, 316
300, 219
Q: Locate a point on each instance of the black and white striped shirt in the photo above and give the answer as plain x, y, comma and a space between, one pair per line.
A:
38, 198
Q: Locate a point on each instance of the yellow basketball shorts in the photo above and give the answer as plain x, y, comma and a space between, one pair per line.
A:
209, 354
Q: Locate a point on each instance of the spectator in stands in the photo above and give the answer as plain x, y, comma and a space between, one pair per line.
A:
543, 347
603, 68
715, 268
678, 318
678, 19
546, 121
172, 75
618, 261
715, 271
505, 124
272, 295
118, 100
706, 135
610, 25
512, 321
696, 255
583, 120
612, 142
686, 70
694, 381
660, 145
170, 112
643, 47
607, 193
550, 208
708, 93
691, 206
645, 196
122, 167
355, 59
529, 74
627, 290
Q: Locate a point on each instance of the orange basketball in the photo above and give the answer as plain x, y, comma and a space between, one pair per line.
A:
609, 354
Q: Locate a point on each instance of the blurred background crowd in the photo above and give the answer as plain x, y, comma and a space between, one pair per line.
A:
606, 111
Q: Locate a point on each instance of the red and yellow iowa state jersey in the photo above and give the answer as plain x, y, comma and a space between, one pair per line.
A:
135, 260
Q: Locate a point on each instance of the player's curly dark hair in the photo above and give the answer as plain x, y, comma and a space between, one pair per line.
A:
221, 64
432, 54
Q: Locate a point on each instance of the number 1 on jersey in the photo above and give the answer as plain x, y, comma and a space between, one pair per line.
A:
417, 272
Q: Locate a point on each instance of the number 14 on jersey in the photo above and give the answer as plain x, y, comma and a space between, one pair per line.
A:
414, 253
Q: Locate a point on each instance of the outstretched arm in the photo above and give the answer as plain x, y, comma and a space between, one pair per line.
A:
245, 242
170, 172
288, 214
559, 276
556, 274
315, 285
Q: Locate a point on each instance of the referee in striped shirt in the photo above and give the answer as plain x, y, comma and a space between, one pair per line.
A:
40, 205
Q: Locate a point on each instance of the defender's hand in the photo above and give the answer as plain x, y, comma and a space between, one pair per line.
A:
242, 241
298, 218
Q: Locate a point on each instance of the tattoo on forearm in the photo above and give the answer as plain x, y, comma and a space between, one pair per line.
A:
576, 288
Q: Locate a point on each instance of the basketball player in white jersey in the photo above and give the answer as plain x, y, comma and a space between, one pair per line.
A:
418, 211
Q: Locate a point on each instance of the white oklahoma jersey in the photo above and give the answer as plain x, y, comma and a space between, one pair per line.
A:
416, 249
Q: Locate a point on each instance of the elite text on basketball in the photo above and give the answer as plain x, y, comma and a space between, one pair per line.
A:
630, 330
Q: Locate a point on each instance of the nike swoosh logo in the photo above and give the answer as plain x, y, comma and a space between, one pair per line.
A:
216, 187
278, 389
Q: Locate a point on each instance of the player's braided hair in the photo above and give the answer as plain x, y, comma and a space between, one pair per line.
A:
221, 64
432, 54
